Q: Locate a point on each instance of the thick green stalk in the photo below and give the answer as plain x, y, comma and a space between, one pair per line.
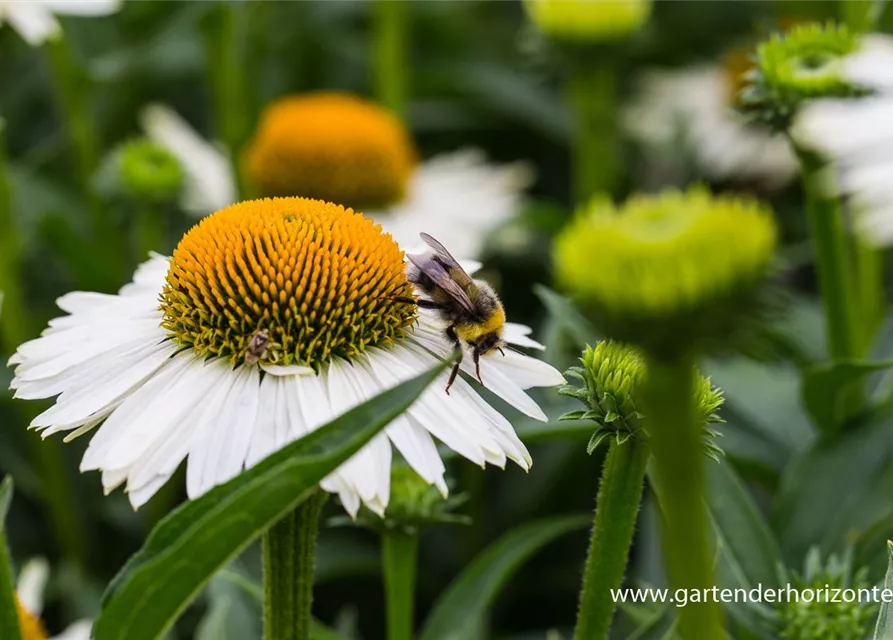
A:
390, 42
591, 92
289, 549
226, 76
15, 328
616, 511
148, 231
833, 260
869, 262
399, 556
677, 445
72, 89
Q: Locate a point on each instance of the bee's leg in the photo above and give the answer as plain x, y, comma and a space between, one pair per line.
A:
457, 346
477, 365
424, 304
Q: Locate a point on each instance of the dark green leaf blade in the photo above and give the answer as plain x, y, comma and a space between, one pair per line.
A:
186, 549
884, 628
462, 606
824, 389
9, 619
568, 316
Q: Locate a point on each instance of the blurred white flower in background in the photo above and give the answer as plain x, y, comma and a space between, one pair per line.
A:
30, 590
35, 20
694, 106
210, 181
856, 137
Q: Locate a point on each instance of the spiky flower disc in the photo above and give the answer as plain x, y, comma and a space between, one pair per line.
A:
829, 618
331, 146
317, 278
791, 67
670, 270
612, 375
588, 20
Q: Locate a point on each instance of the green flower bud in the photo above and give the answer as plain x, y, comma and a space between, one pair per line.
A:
821, 618
612, 378
799, 65
669, 271
141, 170
413, 505
581, 21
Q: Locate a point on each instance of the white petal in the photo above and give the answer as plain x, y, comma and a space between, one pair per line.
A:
458, 198
32, 21
282, 370
80, 630
211, 184
525, 371
872, 65
32, 583
81, 7
517, 334
220, 444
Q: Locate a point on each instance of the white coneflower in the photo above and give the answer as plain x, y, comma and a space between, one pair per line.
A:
35, 20
29, 605
696, 106
345, 149
303, 287
856, 136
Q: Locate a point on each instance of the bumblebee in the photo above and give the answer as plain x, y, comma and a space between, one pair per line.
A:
471, 309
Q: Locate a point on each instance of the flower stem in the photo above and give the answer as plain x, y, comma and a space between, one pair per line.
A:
391, 37
15, 328
676, 442
870, 285
148, 232
833, 261
289, 548
591, 92
228, 84
616, 511
399, 554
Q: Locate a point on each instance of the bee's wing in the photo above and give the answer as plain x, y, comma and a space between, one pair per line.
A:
442, 280
455, 269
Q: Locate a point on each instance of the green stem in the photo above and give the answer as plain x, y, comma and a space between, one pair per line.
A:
72, 92
399, 556
616, 511
591, 91
288, 554
148, 232
833, 262
391, 38
16, 328
677, 444
870, 285
227, 80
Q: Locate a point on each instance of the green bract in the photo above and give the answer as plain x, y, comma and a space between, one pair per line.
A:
828, 615
799, 65
612, 377
670, 270
586, 20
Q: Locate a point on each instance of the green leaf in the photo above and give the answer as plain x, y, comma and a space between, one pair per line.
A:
824, 389
9, 619
748, 552
463, 605
568, 317
185, 550
884, 628
845, 472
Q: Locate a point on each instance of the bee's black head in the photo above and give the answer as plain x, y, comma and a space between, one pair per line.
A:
488, 342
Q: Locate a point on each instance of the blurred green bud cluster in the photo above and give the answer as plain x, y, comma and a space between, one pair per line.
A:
612, 377
413, 505
792, 67
140, 169
582, 21
666, 272
827, 615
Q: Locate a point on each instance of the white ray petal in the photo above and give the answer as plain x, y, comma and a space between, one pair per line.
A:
34, 22
91, 8
518, 334
32, 583
211, 184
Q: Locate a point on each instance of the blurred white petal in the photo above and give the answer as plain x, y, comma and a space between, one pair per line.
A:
34, 22
32, 583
